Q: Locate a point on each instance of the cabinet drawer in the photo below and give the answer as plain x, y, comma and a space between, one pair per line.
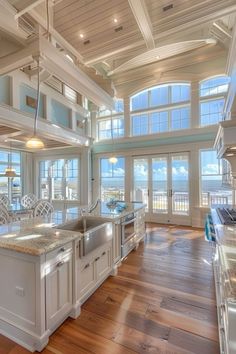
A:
59, 253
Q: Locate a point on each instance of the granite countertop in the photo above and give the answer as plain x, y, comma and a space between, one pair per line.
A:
40, 235
226, 239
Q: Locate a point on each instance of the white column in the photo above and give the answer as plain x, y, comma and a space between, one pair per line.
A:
127, 116
195, 113
93, 118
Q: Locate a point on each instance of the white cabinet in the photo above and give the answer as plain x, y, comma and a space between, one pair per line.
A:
58, 286
140, 225
116, 243
92, 270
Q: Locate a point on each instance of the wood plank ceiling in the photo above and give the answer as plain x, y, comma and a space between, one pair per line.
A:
109, 33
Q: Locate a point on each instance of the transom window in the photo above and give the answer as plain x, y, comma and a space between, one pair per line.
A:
11, 187
211, 175
59, 179
212, 98
161, 109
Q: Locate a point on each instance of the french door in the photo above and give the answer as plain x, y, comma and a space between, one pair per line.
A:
162, 183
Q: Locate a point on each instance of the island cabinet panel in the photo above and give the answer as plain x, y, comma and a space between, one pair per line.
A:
21, 289
92, 270
58, 290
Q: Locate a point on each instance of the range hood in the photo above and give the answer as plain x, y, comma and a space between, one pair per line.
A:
225, 143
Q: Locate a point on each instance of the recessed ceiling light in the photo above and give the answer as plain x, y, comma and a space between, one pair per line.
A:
81, 35
115, 20
233, 148
158, 57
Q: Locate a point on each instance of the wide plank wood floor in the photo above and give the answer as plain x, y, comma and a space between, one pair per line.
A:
162, 301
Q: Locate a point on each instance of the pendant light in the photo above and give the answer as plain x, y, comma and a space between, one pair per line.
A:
113, 159
10, 171
34, 142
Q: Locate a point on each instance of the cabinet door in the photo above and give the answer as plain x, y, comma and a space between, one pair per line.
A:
86, 277
116, 246
103, 264
58, 292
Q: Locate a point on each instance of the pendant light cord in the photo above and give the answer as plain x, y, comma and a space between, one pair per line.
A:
37, 98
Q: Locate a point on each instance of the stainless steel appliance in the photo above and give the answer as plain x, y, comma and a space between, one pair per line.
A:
227, 215
127, 234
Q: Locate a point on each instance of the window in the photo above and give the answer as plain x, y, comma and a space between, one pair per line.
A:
105, 122
212, 191
105, 127
163, 108
212, 93
112, 179
11, 187
59, 179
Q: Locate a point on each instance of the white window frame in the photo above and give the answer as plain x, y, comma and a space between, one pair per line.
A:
209, 175
161, 108
64, 177
208, 98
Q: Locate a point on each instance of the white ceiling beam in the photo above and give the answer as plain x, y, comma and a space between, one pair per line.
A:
8, 23
61, 40
19, 59
57, 64
193, 20
140, 12
28, 8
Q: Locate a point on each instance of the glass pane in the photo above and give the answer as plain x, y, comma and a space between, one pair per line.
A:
57, 188
214, 86
159, 122
159, 96
159, 185
180, 184
212, 191
4, 185
72, 189
140, 124
44, 188
112, 179
140, 101
16, 190
140, 173
211, 112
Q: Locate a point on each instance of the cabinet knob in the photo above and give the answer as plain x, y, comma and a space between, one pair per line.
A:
103, 253
96, 259
62, 249
86, 266
59, 264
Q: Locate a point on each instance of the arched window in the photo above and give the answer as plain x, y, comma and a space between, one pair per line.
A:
212, 97
160, 109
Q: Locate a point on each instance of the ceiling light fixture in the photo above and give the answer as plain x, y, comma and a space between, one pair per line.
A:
81, 35
35, 142
233, 148
115, 20
229, 154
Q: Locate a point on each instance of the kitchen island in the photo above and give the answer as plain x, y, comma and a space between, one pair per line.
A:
224, 265
44, 278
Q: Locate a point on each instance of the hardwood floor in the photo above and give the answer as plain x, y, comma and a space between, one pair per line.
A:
162, 302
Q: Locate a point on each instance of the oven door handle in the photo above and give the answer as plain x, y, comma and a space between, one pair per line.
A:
128, 222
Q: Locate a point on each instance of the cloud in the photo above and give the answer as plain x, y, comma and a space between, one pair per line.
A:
211, 169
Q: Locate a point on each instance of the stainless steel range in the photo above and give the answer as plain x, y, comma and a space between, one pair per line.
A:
227, 215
